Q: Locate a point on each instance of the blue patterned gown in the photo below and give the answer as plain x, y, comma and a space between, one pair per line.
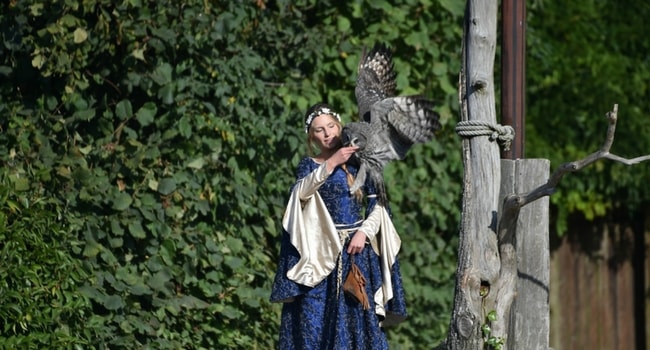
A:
324, 317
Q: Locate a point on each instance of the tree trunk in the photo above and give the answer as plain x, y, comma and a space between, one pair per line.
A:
478, 260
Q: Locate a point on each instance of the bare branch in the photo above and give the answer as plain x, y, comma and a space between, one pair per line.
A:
625, 161
519, 200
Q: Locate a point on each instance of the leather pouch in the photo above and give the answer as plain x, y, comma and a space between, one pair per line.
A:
355, 286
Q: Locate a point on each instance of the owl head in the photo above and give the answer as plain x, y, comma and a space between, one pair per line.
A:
354, 134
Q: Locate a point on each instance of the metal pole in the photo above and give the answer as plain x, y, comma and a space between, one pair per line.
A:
513, 73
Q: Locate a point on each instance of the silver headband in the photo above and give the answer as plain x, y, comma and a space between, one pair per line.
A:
316, 113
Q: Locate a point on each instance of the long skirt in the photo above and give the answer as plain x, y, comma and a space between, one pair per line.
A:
324, 317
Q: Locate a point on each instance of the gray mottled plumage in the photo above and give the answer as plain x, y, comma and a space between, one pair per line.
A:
389, 124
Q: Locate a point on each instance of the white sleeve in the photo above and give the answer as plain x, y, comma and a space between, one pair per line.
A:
371, 224
308, 185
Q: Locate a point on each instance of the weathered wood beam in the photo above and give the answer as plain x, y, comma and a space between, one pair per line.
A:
525, 257
478, 264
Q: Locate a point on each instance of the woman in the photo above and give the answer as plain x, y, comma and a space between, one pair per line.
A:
324, 233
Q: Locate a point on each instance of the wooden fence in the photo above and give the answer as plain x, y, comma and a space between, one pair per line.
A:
600, 285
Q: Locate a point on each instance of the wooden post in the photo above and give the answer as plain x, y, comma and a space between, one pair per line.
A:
478, 260
529, 313
513, 73
490, 245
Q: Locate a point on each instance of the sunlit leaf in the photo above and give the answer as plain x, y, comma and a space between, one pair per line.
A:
196, 163
38, 61
139, 54
80, 35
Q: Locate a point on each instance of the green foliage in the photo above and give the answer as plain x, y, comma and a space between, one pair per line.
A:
577, 71
39, 275
157, 141
490, 341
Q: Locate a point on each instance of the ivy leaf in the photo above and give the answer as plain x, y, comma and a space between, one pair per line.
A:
230, 312
159, 281
197, 163
122, 201
492, 315
123, 109
234, 262
456, 8
84, 114
184, 127
343, 24
136, 230
166, 94
113, 302
91, 249
80, 35
139, 54
38, 61
127, 276
166, 186
163, 74
146, 113
140, 289
486, 329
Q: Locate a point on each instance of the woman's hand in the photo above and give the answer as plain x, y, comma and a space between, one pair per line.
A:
340, 157
357, 243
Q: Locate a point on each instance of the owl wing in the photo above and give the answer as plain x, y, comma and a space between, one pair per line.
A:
389, 125
402, 121
375, 79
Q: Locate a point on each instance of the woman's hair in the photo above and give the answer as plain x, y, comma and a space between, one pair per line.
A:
358, 194
313, 112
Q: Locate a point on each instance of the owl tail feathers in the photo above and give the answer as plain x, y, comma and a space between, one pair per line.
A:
382, 197
377, 179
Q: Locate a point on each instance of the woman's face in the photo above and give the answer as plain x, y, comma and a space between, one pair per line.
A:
326, 132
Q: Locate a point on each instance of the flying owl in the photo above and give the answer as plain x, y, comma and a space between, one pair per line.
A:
389, 124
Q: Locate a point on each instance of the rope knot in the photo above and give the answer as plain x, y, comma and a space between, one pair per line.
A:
503, 134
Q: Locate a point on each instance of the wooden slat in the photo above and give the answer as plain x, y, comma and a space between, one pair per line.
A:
592, 284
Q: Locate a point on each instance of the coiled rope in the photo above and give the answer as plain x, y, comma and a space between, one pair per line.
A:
503, 134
